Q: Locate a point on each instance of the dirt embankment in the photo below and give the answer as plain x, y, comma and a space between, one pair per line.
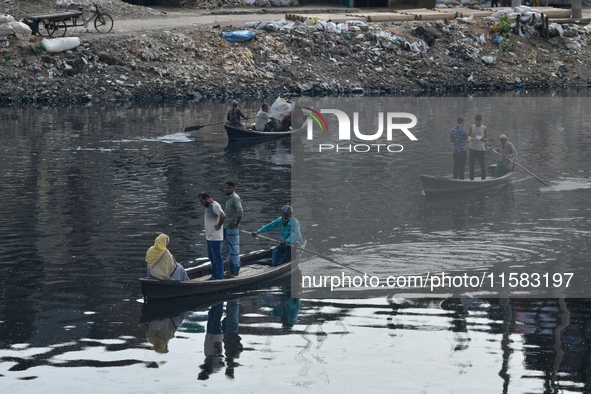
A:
156, 60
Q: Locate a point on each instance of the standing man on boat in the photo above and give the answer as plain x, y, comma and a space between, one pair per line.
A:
478, 135
235, 115
459, 136
290, 233
214, 235
234, 212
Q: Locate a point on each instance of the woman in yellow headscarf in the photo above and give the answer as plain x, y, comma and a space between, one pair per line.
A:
161, 263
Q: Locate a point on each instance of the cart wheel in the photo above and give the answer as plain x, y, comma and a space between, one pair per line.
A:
56, 28
103, 23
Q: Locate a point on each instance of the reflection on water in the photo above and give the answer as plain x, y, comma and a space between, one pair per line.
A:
84, 190
497, 345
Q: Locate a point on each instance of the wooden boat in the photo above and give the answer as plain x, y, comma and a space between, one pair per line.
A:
445, 185
255, 270
242, 134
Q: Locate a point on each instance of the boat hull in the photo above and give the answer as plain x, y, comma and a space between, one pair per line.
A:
241, 134
445, 185
255, 270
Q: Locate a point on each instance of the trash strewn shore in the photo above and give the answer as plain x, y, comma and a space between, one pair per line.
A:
315, 56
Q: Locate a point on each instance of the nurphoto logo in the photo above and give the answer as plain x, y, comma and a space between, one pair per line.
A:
394, 122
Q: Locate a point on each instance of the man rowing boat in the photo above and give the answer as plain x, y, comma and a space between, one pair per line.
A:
290, 233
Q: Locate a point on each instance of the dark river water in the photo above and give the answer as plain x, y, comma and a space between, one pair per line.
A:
84, 190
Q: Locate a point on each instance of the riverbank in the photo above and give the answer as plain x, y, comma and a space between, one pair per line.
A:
161, 58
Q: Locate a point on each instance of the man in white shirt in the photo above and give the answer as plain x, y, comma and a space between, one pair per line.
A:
478, 135
263, 121
214, 234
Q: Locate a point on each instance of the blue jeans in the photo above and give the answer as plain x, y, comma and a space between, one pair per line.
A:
281, 254
214, 252
232, 236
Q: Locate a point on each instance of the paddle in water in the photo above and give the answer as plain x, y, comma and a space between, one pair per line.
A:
522, 167
197, 126
306, 250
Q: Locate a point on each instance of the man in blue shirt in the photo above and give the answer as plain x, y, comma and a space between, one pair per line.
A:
459, 136
290, 234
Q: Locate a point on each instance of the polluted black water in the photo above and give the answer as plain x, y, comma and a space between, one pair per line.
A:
85, 189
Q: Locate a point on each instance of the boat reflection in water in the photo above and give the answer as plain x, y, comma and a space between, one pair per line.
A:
222, 341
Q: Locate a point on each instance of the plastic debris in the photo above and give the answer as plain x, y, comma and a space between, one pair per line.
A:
61, 44
238, 35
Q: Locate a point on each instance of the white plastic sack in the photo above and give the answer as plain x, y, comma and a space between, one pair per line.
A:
332, 27
6, 19
60, 44
280, 109
21, 30
271, 27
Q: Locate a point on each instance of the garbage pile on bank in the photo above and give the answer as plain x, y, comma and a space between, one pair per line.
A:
280, 57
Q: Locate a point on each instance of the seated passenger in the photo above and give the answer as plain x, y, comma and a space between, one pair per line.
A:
297, 117
285, 124
263, 121
161, 263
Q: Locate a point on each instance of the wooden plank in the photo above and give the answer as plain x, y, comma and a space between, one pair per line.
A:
55, 15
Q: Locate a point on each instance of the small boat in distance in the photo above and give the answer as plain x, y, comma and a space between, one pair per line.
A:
446, 185
255, 269
242, 134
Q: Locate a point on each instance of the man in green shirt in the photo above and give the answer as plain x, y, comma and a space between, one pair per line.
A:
234, 212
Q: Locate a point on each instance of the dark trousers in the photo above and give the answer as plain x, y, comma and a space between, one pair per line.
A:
474, 155
459, 165
281, 254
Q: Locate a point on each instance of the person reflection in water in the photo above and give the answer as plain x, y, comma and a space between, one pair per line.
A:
218, 335
161, 263
232, 341
287, 311
160, 332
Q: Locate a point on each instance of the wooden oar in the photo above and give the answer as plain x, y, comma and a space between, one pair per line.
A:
306, 250
522, 167
197, 127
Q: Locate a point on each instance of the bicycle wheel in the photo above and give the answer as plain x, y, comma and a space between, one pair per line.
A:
103, 23
56, 28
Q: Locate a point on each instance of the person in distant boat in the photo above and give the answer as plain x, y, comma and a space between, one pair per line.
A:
285, 124
459, 136
478, 135
297, 117
233, 210
263, 121
294, 120
214, 234
161, 263
290, 233
235, 115
509, 153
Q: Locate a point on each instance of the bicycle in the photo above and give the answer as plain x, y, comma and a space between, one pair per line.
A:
103, 22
